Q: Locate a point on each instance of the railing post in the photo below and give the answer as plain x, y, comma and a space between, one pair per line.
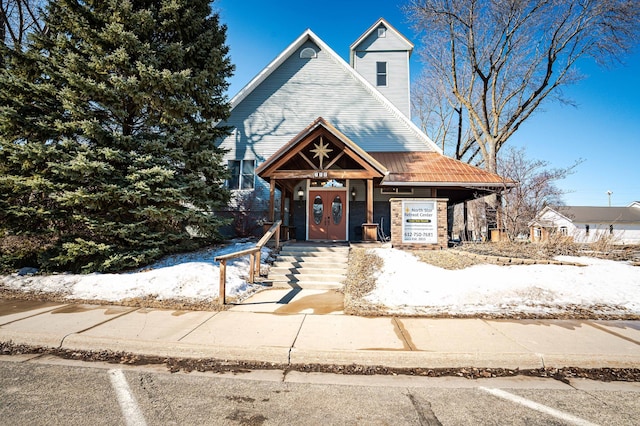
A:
277, 237
258, 260
223, 280
252, 267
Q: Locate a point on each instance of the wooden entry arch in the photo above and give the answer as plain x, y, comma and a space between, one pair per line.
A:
320, 152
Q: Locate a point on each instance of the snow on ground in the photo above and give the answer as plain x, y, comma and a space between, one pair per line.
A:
404, 285
407, 286
192, 276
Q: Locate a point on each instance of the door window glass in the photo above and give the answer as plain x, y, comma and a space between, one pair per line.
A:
336, 210
318, 209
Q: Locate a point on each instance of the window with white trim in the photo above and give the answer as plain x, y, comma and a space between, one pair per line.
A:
396, 190
308, 53
242, 174
381, 73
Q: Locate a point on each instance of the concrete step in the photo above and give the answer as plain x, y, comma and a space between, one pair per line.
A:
322, 278
308, 285
315, 254
310, 260
300, 248
283, 269
308, 266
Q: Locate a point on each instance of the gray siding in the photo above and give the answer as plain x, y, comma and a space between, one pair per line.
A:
394, 50
390, 42
397, 88
300, 91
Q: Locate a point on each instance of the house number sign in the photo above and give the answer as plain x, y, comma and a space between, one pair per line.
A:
419, 222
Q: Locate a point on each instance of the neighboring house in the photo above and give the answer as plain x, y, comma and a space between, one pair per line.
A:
327, 145
589, 224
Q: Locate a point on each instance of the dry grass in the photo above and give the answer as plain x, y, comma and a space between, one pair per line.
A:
361, 280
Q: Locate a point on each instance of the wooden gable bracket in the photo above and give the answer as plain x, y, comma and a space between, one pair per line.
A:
272, 167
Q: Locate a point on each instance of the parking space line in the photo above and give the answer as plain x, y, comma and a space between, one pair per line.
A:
569, 418
128, 405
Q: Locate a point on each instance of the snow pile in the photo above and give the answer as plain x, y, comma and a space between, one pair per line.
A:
192, 276
405, 285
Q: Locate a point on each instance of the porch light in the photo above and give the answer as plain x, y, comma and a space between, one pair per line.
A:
353, 193
300, 193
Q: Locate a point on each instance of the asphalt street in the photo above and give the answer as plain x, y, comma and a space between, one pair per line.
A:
38, 390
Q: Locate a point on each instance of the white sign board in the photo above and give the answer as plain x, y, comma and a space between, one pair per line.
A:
419, 222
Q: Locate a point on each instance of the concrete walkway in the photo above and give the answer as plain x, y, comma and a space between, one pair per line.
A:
308, 326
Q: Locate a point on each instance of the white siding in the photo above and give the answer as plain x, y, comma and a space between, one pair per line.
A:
622, 233
301, 90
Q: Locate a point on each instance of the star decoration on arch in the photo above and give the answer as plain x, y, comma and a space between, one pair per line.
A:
321, 151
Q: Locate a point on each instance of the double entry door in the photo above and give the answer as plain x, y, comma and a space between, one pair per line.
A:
327, 215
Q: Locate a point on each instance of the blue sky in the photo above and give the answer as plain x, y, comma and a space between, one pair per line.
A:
603, 130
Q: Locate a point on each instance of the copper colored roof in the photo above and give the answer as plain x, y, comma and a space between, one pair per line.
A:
432, 168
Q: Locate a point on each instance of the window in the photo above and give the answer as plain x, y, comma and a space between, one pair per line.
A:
396, 190
382, 32
242, 174
308, 53
563, 230
329, 183
381, 73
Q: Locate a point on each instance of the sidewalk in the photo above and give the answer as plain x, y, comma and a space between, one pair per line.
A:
308, 326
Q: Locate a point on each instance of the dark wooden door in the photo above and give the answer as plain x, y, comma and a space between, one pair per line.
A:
327, 215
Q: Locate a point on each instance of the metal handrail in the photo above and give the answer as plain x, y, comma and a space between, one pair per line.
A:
254, 256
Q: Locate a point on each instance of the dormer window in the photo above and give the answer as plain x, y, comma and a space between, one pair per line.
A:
382, 32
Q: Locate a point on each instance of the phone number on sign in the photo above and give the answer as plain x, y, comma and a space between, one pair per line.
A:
418, 234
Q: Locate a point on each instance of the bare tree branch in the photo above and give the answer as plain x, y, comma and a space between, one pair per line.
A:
499, 60
17, 19
536, 189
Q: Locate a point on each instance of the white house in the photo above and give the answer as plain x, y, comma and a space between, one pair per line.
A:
331, 145
589, 224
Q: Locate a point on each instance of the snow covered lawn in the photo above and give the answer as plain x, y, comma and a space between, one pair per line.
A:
404, 285
408, 286
191, 278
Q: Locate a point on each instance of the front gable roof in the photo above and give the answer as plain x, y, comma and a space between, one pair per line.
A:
294, 159
380, 22
350, 117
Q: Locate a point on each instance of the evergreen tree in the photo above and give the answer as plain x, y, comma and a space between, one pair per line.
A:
108, 131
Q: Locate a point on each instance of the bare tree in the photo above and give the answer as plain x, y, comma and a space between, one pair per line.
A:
435, 108
537, 188
17, 19
498, 60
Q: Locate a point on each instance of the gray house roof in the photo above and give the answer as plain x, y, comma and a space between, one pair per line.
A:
593, 215
301, 85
